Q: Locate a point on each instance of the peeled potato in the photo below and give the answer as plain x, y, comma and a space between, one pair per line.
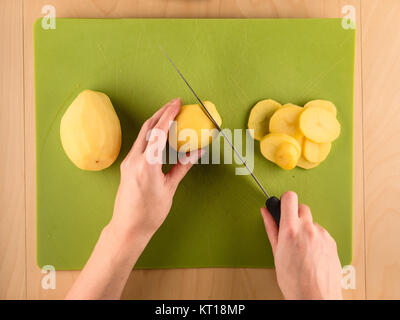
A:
285, 120
192, 122
287, 155
325, 104
316, 152
90, 131
260, 115
319, 125
271, 142
305, 164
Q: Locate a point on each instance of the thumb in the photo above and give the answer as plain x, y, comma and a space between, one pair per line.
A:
271, 228
179, 170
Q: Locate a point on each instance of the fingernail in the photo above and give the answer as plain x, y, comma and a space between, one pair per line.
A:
173, 101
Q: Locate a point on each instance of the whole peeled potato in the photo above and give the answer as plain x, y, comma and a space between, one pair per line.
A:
90, 131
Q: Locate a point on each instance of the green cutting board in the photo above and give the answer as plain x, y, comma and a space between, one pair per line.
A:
215, 220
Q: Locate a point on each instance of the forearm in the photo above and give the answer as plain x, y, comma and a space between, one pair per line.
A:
108, 268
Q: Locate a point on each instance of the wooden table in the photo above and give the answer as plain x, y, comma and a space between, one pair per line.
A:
376, 153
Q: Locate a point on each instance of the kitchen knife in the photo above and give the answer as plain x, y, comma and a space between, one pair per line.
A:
273, 204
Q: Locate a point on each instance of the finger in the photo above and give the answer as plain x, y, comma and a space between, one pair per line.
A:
289, 209
166, 119
271, 228
141, 142
175, 175
305, 213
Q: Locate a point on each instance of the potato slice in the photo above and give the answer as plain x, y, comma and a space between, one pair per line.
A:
285, 120
319, 125
305, 164
260, 115
324, 104
301, 140
287, 155
271, 142
316, 152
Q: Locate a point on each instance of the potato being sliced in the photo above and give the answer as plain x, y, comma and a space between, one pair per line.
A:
305, 164
192, 128
319, 125
260, 115
285, 120
287, 155
324, 104
316, 152
270, 143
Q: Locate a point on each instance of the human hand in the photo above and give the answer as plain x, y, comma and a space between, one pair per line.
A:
145, 194
306, 259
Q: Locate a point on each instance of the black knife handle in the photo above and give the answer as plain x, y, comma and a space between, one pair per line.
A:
273, 205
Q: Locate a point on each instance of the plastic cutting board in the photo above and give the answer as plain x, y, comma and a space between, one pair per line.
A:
215, 220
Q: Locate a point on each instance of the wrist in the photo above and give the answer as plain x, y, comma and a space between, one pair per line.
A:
120, 249
127, 237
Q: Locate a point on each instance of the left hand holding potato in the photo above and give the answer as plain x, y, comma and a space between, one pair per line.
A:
145, 193
143, 201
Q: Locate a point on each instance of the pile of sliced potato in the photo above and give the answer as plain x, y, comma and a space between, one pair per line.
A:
291, 135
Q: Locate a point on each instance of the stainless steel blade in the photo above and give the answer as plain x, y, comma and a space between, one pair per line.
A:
216, 125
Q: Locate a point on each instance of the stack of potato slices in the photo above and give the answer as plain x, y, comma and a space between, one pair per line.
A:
291, 135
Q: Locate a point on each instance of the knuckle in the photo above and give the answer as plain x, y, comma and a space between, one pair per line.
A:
142, 166
326, 236
137, 163
325, 233
309, 229
147, 123
124, 165
172, 185
330, 239
317, 225
305, 208
290, 232
289, 196
142, 172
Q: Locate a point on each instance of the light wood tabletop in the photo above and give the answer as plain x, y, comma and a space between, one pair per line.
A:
376, 223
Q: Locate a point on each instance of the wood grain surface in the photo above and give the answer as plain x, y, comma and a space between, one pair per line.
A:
12, 180
376, 97
381, 99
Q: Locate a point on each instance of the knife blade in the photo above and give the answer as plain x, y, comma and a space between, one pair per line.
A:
272, 203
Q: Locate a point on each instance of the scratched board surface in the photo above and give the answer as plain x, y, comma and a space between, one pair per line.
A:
215, 219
